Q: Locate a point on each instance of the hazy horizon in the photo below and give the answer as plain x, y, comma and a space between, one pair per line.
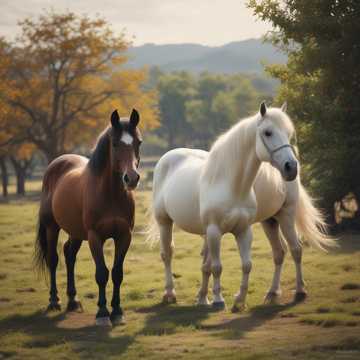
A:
151, 21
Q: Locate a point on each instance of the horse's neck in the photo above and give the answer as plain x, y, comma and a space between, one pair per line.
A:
110, 182
244, 176
241, 165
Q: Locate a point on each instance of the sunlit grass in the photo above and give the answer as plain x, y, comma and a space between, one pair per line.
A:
325, 326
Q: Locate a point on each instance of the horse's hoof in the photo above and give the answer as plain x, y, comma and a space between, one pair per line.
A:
238, 307
300, 296
74, 306
218, 305
52, 307
169, 299
103, 321
272, 298
203, 301
117, 320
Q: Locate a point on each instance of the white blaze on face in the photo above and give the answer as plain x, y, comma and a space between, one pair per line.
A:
126, 138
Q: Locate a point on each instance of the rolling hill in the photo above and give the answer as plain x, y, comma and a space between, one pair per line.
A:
241, 56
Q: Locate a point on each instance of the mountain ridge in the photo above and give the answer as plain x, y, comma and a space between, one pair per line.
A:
244, 56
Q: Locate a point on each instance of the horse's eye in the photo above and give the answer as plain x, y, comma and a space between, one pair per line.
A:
268, 133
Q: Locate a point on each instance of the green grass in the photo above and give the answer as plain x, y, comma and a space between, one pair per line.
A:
325, 326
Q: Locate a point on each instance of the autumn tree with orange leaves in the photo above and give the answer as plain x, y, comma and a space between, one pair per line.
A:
61, 78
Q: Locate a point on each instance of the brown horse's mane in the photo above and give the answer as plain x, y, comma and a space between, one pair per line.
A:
100, 153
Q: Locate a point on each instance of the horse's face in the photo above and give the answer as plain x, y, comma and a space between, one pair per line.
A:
125, 148
274, 133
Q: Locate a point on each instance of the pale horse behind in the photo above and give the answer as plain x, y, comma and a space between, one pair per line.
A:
250, 175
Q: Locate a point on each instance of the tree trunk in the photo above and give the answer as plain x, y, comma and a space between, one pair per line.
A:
51, 152
4, 176
20, 167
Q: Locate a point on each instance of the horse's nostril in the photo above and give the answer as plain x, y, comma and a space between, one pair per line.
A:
126, 179
287, 166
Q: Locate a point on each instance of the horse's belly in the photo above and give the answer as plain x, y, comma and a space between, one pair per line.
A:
67, 205
181, 198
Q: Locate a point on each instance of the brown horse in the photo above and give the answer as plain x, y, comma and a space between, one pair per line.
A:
91, 200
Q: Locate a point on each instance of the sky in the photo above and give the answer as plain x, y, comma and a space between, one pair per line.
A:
207, 22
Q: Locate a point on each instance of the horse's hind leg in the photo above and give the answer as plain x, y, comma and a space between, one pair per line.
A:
71, 248
287, 225
202, 298
272, 231
166, 245
52, 259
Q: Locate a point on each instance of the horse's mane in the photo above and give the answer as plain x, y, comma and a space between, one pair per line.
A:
230, 146
227, 148
100, 153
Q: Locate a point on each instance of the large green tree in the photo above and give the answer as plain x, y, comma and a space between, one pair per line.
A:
321, 82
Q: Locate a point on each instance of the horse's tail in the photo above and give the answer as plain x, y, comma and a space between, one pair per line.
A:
310, 222
40, 251
152, 230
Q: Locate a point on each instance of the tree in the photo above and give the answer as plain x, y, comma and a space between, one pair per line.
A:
21, 158
219, 101
65, 76
321, 82
174, 91
4, 176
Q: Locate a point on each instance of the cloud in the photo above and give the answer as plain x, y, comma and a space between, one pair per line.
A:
173, 21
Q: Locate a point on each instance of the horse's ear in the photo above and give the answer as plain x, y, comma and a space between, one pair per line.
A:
115, 119
284, 107
263, 108
134, 119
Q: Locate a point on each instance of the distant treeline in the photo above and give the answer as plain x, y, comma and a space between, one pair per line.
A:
195, 109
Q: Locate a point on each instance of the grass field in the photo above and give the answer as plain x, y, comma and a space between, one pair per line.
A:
325, 326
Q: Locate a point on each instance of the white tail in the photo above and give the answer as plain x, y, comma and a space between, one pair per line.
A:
310, 222
152, 230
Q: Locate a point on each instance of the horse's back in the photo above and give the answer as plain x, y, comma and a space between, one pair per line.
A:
62, 193
59, 167
176, 188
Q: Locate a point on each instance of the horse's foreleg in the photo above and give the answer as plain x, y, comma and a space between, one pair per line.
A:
271, 229
202, 298
166, 249
243, 240
71, 248
287, 225
121, 247
213, 236
101, 275
52, 259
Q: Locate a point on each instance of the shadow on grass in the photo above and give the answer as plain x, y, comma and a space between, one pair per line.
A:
45, 333
237, 328
166, 319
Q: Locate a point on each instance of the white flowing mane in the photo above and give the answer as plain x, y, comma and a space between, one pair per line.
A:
227, 148
238, 140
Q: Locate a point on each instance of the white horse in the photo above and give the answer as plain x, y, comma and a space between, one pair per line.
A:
249, 176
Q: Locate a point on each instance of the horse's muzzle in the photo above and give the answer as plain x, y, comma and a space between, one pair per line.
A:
131, 180
290, 170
